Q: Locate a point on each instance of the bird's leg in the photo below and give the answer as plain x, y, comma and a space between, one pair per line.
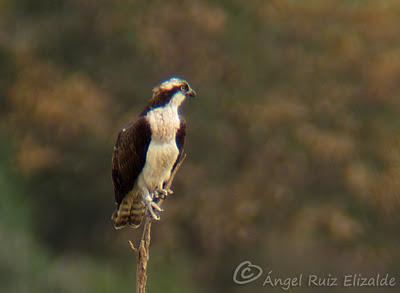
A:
162, 192
151, 205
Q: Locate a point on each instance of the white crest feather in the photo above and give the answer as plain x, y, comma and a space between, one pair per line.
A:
169, 84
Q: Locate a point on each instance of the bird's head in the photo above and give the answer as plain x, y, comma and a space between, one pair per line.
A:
171, 92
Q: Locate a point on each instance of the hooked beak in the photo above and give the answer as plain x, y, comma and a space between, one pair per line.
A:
191, 93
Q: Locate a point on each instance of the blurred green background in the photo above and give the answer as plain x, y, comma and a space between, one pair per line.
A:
293, 145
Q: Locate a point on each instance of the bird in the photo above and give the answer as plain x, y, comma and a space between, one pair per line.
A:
146, 153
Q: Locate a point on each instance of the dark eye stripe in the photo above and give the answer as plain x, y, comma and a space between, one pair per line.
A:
185, 87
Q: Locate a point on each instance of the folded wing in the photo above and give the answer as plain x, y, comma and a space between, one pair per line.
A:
129, 157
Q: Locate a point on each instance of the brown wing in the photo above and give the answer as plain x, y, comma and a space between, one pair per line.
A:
129, 157
180, 141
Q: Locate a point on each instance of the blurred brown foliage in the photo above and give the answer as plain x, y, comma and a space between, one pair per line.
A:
293, 145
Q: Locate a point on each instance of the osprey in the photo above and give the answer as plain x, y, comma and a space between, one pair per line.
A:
146, 153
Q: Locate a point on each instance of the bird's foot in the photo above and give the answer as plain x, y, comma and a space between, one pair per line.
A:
162, 193
152, 206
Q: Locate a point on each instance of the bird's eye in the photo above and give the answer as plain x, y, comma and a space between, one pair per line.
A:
184, 88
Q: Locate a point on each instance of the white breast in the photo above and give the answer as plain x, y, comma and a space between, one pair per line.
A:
164, 123
159, 162
163, 151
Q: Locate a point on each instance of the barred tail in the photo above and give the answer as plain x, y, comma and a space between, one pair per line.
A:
130, 212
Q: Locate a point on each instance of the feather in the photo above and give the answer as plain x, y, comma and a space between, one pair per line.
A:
129, 157
128, 160
180, 141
